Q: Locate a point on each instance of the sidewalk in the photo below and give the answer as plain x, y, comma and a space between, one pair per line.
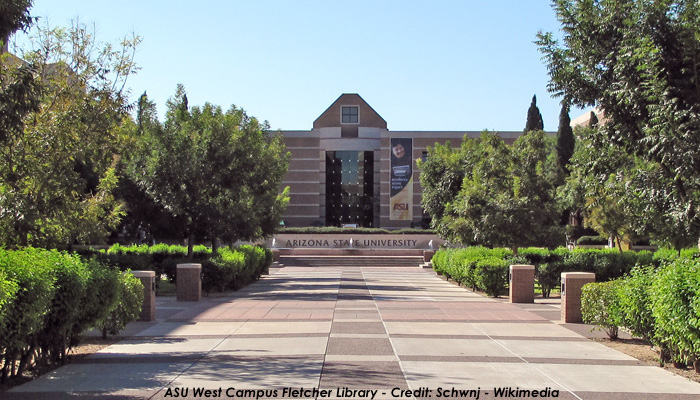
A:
346, 331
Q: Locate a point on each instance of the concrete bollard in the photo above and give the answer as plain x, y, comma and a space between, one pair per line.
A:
428, 255
522, 283
189, 282
148, 308
571, 285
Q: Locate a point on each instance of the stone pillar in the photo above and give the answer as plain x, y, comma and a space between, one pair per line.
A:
522, 283
428, 255
189, 282
571, 284
148, 308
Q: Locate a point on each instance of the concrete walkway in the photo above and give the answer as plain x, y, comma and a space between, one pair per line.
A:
342, 329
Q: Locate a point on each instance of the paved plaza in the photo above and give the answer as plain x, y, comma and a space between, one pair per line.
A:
351, 332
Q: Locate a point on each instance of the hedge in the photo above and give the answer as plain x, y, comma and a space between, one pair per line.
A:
600, 305
661, 304
476, 267
228, 269
48, 299
460, 264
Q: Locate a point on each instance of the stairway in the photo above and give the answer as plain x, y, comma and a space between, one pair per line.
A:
351, 258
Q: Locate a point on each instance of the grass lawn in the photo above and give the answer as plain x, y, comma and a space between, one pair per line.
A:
165, 288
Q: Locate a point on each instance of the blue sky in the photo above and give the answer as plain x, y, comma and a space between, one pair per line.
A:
439, 65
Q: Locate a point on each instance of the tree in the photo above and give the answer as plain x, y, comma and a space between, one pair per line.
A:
565, 140
14, 16
57, 161
442, 173
534, 118
638, 62
506, 197
219, 172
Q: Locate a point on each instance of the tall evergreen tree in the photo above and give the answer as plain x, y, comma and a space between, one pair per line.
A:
565, 140
593, 121
534, 118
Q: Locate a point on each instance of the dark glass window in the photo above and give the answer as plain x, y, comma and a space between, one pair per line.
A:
349, 188
350, 114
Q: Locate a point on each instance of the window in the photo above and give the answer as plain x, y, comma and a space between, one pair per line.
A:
350, 114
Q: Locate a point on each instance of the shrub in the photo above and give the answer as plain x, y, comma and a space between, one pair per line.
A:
592, 241
675, 305
127, 306
634, 294
8, 294
100, 298
491, 275
48, 299
600, 306
24, 316
549, 276
72, 277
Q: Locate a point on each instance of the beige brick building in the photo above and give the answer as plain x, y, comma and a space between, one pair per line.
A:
348, 169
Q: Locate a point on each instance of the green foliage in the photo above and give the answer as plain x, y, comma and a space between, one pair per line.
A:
227, 269
565, 140
675, 305
442, 173
600, 306
634, 297
461, 264
14, 16
8, 293
25, 316
127, 307
592, 241
636, 61
491, 275
62, 136
48, 299
219, 172
102, 294
534, 117
506, 197
72, 277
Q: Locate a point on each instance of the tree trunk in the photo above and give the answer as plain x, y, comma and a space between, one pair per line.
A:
190, 245
214, 246
619, 243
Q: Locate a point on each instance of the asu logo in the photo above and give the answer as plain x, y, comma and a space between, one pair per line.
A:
401, 206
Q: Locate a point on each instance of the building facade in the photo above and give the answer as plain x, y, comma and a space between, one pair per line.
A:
350, 169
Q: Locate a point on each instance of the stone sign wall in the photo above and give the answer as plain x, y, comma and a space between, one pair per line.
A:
346, 241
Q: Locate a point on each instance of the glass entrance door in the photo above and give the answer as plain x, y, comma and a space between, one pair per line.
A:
349, 188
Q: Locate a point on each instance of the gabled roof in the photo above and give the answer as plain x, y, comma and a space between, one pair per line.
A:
368, 117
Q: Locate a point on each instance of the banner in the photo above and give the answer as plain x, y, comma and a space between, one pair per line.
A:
401, 179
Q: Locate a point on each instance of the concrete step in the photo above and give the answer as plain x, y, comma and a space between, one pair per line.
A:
351, 252
356, 261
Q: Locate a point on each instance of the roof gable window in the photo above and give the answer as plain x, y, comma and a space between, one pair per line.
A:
350, 114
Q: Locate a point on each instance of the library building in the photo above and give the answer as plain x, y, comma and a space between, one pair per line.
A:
351, 170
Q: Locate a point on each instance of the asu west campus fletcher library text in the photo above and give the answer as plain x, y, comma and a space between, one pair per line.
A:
351, 170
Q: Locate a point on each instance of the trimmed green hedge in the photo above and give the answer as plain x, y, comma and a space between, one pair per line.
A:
48, 299
660, 304
460, 264
228, 269
476, 267
592, 241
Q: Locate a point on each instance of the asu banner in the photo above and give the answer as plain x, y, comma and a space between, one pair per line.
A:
401, 179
